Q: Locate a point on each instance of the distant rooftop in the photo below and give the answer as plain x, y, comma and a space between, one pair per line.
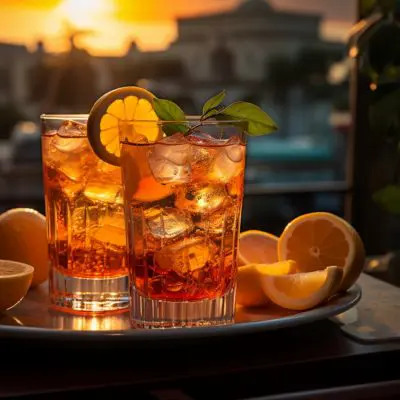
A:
251, 9
254, 7
12, 49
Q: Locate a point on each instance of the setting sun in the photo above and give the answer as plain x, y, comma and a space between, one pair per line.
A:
85, 14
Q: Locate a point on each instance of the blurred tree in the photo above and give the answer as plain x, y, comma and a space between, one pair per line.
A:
9, 116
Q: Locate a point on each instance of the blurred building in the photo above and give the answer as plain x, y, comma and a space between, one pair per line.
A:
231, 50
15, 61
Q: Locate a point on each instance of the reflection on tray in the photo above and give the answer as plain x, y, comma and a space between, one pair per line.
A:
34, 312
6, 319
88, 323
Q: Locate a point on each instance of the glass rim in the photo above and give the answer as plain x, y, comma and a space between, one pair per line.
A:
64, 116
190, 119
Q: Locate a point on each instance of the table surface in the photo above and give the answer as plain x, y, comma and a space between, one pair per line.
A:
256, 362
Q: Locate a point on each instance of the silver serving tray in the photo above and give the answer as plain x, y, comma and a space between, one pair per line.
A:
32, 319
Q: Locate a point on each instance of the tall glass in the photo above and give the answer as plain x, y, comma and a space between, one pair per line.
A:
183, 200
85, 220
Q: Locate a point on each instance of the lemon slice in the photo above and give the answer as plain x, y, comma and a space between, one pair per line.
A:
112, 116
15, 280
249, 292
302, 291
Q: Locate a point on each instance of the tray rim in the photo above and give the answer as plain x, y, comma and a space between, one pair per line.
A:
325, 311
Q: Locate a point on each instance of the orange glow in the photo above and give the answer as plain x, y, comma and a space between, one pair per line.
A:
115, 23
85, 14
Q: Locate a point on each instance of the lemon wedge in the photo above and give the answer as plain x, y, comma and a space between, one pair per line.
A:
302, 291
249, 292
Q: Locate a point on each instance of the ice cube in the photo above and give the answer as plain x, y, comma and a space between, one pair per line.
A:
104, 183
186, 256
98, 225
169, 160
201, 197
68, 145
103, 192
109, 237
168, 222
219, 222
109, 230
204, 139
70, 153
71, 136
203, 151
71, 128
229, 161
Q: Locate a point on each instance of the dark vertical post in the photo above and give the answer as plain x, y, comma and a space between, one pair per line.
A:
370, 166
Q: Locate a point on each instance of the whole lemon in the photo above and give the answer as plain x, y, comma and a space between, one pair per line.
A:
23, 238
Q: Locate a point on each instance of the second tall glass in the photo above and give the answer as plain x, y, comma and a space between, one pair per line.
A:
183, 200
85, 220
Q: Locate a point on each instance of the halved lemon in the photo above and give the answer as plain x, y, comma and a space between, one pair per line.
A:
257, 247
302, 291
15, 280
320, 239
112, 116
249, 292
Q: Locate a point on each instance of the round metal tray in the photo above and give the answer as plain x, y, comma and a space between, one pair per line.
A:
32, 319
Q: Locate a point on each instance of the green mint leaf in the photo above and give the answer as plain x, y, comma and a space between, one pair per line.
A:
259, 122
211, 113
171, 128
167, 110
214, 102
231, 121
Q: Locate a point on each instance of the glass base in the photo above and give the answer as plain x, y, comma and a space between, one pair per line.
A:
88, 295
149, 314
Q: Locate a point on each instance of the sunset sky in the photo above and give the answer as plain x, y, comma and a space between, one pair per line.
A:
114, 23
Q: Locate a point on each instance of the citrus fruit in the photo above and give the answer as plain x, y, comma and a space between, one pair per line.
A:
321, 239
111, 117
302, 291
257, 247
249, 292
23, 238
15, 279
140, 183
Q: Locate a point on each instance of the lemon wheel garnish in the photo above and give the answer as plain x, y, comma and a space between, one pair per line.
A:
112, 116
